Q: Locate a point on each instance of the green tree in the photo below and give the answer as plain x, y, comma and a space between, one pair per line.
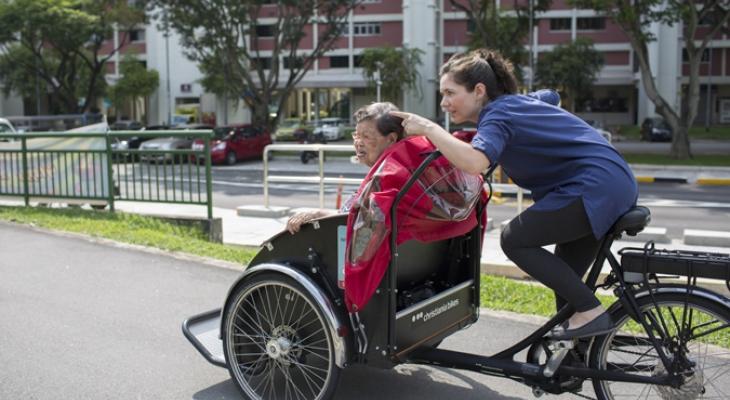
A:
635, 18
136, 81
226, 38
398, 69
501, 29
570, 68
59, 44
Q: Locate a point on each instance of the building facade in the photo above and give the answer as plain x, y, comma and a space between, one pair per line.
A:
335, 86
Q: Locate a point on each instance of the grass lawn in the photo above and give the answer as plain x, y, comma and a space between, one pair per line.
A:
713, 160
128, 228
696, 132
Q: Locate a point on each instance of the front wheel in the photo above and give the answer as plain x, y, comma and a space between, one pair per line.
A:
231, 158
697, 339
277, 342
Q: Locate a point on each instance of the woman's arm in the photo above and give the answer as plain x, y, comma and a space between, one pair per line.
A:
296, 221
459, 153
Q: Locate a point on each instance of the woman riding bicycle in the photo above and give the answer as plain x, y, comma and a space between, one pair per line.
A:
579, 182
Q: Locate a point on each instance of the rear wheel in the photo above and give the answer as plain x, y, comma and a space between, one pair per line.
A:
277, 343
697, 339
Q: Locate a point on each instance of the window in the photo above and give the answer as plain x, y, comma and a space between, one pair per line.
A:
264, 62
706, 20
366, 29
357, 61
265, 30
297, 62
591, 24
339, 62
344, 28
248, 131
470, 26
136, 35
560, 24
705, 56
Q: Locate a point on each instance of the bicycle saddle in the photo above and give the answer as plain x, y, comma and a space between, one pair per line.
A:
633, 222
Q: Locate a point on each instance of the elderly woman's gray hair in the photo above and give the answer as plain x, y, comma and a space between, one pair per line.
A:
380, 114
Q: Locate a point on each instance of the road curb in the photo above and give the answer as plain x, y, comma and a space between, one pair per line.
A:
659, 179
713, 181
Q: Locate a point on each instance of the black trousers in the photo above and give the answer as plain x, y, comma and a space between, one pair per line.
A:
576, 248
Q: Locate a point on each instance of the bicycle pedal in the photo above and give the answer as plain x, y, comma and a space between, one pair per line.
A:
560, 349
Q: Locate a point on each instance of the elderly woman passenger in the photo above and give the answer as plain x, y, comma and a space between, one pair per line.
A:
375, 131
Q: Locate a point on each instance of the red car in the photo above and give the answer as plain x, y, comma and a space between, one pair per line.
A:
235, 142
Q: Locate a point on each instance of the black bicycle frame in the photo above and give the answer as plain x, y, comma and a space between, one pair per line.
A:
502, 364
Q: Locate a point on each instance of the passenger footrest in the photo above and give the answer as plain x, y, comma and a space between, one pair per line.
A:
203, 331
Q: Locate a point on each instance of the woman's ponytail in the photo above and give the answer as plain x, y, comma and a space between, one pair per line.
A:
482, 66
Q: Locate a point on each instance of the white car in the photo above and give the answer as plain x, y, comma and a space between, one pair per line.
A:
6, 128
331, 128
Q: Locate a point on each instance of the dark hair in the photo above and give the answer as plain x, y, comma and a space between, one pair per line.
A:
482, 66
380, 114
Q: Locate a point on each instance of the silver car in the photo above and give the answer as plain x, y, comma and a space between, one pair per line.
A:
165, 144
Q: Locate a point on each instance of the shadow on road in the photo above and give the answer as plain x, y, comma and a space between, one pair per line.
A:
403, 382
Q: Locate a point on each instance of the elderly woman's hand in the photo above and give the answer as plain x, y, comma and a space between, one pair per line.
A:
296, 221
413, 124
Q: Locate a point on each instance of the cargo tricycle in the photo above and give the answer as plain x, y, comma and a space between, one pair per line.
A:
283, 330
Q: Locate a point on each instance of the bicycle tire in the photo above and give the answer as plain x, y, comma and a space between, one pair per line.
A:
711, 351
276, 341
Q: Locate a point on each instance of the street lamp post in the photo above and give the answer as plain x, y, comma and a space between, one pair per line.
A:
378, 82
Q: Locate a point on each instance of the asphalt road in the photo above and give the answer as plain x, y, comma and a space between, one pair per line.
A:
86, 320
674, 206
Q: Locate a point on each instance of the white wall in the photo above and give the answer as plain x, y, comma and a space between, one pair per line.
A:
420, 20
11, 105
181, 71
665, 58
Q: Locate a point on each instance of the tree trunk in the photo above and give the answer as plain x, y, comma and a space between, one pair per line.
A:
680, 143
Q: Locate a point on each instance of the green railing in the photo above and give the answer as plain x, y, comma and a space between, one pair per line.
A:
78, 167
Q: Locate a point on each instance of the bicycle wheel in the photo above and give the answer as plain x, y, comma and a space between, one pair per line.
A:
276, 343
703, 327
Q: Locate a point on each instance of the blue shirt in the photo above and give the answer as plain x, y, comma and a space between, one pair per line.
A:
557, 156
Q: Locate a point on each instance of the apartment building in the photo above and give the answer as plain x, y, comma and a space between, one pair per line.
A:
335, 86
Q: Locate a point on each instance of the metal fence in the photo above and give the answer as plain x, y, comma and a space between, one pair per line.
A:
101, 168
321, 180
318, 179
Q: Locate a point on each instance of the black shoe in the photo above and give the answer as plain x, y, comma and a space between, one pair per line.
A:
601, 325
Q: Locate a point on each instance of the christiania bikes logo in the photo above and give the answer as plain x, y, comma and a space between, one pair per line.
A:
425, 316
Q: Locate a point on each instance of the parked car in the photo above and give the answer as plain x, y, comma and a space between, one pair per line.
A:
656, 129
598, 126
6, 128
126, 143
331, 128
126, 125
234, 142
170, 143
290, 128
